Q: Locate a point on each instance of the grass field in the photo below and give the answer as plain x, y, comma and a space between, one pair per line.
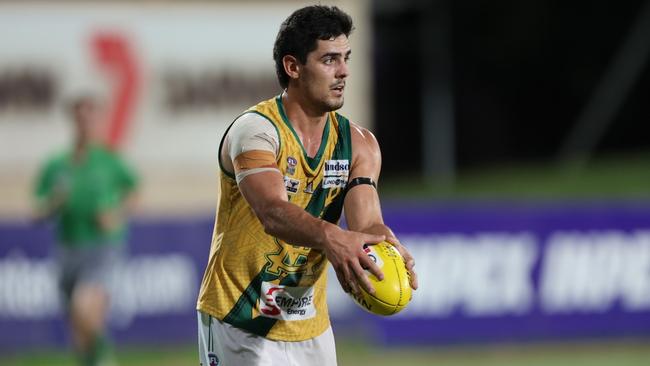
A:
611, 177
620, 353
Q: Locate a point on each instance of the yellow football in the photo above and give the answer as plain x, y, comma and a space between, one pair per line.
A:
393, 293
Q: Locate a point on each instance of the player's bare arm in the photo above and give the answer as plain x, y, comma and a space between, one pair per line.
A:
50, 206
265, 192
362, 207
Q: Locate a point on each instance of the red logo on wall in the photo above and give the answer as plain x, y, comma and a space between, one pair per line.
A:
116, 57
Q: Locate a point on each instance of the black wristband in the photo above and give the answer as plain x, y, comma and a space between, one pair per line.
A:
360, 180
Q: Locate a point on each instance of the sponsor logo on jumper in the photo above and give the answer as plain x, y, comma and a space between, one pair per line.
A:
336, 173
291, 165
291, 184
337, 168
213, 359
286, 302
310, 188
335, 182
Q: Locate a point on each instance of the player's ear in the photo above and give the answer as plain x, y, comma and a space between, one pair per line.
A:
291, 66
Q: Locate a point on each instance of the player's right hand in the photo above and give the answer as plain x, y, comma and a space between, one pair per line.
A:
344, 249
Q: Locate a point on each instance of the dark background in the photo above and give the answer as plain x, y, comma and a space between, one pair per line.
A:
522, 72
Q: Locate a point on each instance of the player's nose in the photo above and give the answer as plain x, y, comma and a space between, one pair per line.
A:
343, 70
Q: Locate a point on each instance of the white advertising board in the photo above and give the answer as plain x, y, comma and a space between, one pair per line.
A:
174, 75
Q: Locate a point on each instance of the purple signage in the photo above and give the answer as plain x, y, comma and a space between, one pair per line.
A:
153, 302
494, 272
488, 272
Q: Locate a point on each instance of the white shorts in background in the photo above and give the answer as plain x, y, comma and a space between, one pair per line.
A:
221, 344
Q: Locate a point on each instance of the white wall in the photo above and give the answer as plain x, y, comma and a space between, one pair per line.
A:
202, 42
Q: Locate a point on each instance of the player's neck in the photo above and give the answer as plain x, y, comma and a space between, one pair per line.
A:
80, 149
301, 115
307, 122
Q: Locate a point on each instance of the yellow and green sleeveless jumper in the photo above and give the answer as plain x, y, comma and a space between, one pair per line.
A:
262, 284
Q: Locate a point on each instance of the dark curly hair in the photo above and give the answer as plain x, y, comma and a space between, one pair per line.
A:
299, 33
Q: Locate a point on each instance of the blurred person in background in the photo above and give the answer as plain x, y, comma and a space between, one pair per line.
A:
289, 166
87, 190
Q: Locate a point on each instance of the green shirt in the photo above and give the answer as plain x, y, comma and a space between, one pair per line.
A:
98, 182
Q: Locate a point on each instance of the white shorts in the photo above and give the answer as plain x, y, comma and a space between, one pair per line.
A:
221, 344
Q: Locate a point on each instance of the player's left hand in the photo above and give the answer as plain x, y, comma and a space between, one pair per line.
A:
408, 260
109, 220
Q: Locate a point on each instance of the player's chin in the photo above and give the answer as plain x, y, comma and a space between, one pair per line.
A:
334, 103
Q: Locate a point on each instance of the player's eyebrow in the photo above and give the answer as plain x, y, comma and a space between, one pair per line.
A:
336, 54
